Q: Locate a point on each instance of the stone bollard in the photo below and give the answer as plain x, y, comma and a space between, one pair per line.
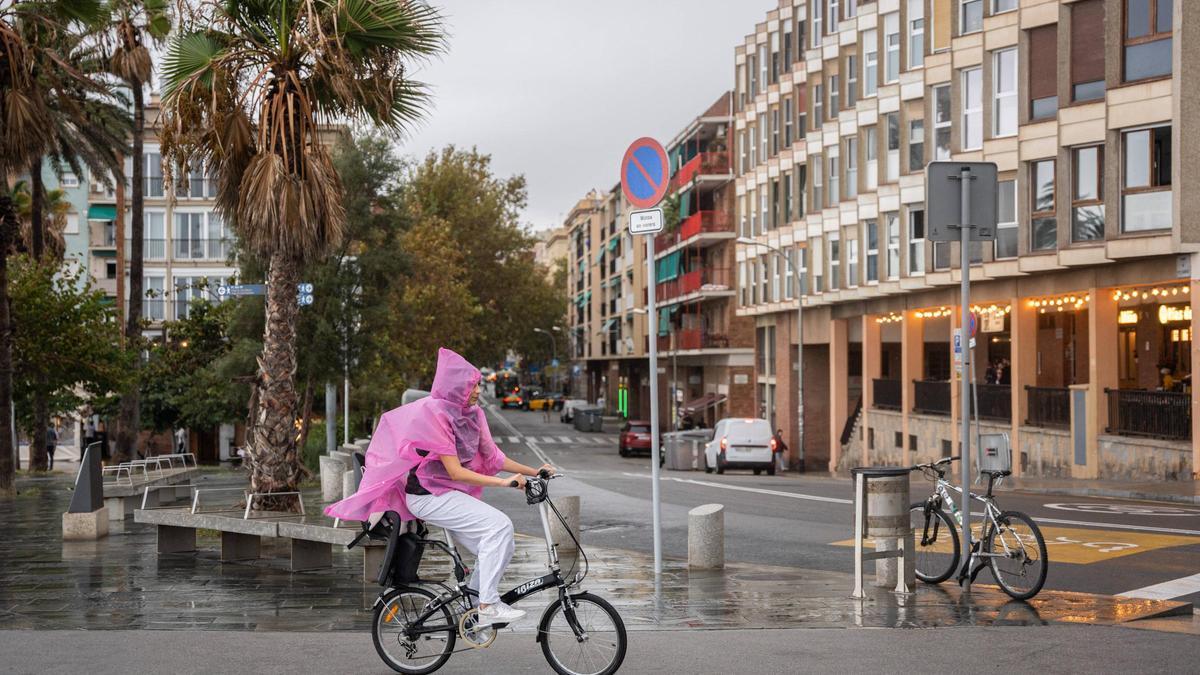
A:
331, 478
706, 537
568, 506
348, 485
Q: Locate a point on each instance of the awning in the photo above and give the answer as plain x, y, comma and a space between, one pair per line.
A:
102, 212
703, 403
607, 325
667, 267
612, 243
685, 204
664, 319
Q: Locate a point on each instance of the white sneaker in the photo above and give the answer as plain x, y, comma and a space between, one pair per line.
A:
498, 612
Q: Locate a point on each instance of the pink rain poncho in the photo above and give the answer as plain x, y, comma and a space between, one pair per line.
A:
441, 424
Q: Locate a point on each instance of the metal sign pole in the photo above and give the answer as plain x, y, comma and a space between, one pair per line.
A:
964, 405
651, 318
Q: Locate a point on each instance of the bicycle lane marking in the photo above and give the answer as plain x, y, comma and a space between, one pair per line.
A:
740, 488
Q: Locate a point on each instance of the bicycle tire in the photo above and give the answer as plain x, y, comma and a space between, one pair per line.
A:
1003, 577
548, 637
379, 639
929, 563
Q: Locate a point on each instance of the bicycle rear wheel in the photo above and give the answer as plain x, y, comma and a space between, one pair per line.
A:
402, 650
601, 649
935, 544
1021, 568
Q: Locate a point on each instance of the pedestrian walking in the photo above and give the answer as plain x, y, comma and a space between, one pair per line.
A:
781, 449
181, 440
89, 432
51, 444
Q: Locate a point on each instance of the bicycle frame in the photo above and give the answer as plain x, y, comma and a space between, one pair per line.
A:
991, 514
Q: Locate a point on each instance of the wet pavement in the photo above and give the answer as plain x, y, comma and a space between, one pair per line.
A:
121, 582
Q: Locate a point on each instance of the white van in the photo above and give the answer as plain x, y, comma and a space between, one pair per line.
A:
741, 443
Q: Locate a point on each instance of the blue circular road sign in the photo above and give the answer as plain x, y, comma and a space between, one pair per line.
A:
645, 173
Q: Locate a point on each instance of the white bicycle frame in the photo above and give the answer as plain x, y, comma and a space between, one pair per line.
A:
991, 513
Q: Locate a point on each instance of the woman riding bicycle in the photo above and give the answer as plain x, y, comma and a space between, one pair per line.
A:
431, 459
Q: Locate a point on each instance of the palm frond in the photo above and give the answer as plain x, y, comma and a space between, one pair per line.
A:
190, 57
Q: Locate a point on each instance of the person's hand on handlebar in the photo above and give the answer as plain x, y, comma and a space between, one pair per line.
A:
546, 471
516, 480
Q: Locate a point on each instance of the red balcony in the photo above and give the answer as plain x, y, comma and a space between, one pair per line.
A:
703, 164
691, 339
704, 279
698, 222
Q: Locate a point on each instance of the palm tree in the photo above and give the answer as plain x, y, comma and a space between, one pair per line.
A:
56, 207
134, 23
247, 85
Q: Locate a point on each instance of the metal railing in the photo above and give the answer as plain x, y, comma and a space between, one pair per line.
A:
704, 163
886, 394
1048, 407
931, 397
693, 225
692, 338
1156, 414
995, 402
703, 279
202, 249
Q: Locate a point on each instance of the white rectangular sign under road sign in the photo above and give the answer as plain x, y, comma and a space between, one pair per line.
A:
646, 222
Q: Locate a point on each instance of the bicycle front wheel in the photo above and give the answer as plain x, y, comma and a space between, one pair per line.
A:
600, 647
400, 645
1018, 561
935, 544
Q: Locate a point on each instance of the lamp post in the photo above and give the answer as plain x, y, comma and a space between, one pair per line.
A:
553, 352
746, 241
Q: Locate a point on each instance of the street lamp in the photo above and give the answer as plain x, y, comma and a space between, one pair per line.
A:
553, 352
746, 241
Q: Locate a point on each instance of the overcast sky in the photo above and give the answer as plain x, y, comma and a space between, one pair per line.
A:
556, 89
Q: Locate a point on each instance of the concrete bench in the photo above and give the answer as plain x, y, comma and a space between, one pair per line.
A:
153, 488
309, 543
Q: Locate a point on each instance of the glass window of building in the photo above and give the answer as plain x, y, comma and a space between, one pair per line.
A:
893, 244
941, 122
787, 122
916, 33
970, 16
1043, 81
851, 80
1004, 92
801, 111
818, 100
1006, 219
835, 180
815, 8
788, 201
870, 43
801, 190
153, 174
1087, 194
916, 241
893, 147
818, 265
972, 109
802, 256
775, 130
818, 194
835, 260
871, 152
1148, 28
1146, 179
775, 68
832, 17
1000, 6
872, 231
1043, 224
1087, 50
834, 97
852, 262
891, 37
851, 150
916, 145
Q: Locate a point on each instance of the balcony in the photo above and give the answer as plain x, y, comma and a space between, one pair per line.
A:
201, 249
103, 234
692, 339
1151, 414
886, 394
702, 283
152, 249
1049, 407
995, 402
701, 222
702, 168
931, 397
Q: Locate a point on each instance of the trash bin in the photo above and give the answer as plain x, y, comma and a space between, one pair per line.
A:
881, 511
589, 419
683, 449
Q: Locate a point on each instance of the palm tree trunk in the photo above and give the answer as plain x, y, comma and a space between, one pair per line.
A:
8, 232
274, 465
129, 419
37, 237
305, 416
37, 233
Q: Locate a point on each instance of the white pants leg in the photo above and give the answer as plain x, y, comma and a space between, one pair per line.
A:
482, 529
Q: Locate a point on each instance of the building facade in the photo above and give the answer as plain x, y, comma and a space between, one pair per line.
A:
1083, 303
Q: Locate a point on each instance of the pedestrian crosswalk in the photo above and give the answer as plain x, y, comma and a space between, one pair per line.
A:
560, 440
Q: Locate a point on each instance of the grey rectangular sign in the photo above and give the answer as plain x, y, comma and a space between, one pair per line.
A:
943, 200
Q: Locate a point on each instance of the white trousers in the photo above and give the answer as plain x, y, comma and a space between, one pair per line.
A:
480, 528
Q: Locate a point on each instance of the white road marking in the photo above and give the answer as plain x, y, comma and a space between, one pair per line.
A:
1118, 526
514, 439
529, 441
567, 440
1168, 589
740, 488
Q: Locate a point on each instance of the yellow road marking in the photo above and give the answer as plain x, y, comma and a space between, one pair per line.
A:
1082, 546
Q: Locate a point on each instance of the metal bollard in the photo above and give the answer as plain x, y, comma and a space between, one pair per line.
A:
568, 506
881, 511
331, 478
706, 537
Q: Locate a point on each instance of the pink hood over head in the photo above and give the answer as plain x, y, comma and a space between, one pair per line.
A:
414, 436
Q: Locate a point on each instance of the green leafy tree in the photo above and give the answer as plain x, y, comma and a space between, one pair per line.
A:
66, 348
248, 84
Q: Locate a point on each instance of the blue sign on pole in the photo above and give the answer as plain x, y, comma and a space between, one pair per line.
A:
645, 173
553, 363
304, 291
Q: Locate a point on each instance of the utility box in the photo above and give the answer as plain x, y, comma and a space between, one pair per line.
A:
995, 454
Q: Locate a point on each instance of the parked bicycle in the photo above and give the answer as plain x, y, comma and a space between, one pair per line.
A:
1011, 545
415, 628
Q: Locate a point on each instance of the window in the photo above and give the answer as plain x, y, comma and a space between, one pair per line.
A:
1146, 180
1043, 225
774, 131
833, 15
763, 288
872, 229
753, 143
835, 181
1043, 81
852, 262
970, 16
153, 174
818, 265
851, 8
763, 67
70, 180
1006, 217
762, 140
851, 167
801, 111
800, 32
801, 174
762, 210
154, 236
916, 241
1004, 92
194, 183
189, 289
851, 80
916, 33
893, 244
818, 198
152, 303
744, 145
744, 215
834, 97
775, 205
1087, 194
835, 261
893, 147
818, 100
972, 111
789, 276
891, 45
774, 38
752, 269
916, 145
787, 51
1087, 50
802, 254
1148, 25
752, 68
788, 205
817, 31
743, 289
787, 122
742, 92
999, 6
871, 135
774, 273
941, 122
870, 40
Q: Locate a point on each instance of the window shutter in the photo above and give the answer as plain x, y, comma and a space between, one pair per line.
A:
941, 24
1043, 57
1087, 41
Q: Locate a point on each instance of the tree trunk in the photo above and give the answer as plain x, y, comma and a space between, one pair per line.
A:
305, 416
129, 420
274, 465
37, 233
9, 228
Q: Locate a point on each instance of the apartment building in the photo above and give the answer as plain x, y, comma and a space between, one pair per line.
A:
1084, 302
704, 345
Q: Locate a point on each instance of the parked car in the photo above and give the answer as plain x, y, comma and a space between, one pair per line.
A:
741, 443
635, 437
568, 408
529, 394
552, 400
